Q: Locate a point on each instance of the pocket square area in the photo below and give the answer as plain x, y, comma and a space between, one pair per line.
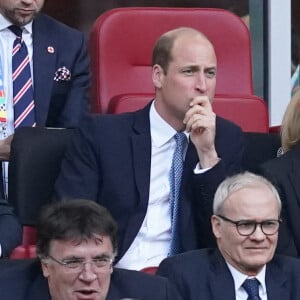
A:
62, 74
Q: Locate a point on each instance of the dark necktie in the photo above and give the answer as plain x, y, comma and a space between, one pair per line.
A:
22, 82
251, 287
175, 183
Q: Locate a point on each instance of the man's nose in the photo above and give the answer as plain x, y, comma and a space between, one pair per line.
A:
258, 234
28, 2
87, 273
201, 84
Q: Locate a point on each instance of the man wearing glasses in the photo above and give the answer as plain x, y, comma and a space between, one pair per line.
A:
76, 246
245, 223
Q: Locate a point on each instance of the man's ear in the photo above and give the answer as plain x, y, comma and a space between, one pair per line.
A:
45, 269
157, 75
215, 223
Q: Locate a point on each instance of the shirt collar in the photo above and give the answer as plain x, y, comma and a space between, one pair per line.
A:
161, 131
239, 277
4, 23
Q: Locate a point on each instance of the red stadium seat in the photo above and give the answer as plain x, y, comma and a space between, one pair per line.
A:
27, 248
20, 252
149, 270
122, 39
248, 111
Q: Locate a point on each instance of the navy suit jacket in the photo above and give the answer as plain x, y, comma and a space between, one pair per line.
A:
284, 173
10, 229
55, 45
57, 104
109, 160
203, 274
23, 280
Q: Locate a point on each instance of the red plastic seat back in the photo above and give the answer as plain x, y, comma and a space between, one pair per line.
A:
248, 111
28, 248
122, 40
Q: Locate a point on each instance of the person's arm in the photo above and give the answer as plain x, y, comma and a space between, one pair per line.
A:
78, 176
10, 229
229, 143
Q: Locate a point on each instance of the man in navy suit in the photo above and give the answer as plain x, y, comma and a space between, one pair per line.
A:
245, 223
123, 161
76, 245
60, 73
59, 68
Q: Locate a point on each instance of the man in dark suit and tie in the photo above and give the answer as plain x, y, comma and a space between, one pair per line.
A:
76, 245
245, 223
59, 68
125, 161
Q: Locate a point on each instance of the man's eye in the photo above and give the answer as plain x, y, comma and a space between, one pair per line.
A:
188, 72
269, 224
101, 259
72, 263
101, 262
211, 74
245, 225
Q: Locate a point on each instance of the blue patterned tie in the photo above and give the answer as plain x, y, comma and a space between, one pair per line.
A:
22, 82
251, 287
175, 183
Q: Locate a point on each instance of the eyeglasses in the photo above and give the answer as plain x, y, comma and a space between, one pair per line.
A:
248, 227
76, 265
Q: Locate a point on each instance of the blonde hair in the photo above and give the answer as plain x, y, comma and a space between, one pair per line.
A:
290, 127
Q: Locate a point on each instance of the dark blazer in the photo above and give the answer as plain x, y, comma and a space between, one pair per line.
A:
284, 173
23, 280
203, 274
55, 45
109, 160
10, 229
63, 103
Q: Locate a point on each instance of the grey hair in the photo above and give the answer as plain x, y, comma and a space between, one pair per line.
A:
234, 183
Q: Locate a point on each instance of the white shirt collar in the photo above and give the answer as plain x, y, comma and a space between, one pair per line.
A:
239, 277
4, 23
161, 131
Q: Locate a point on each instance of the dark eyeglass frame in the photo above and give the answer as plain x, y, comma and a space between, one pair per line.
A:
77, 264
239, 223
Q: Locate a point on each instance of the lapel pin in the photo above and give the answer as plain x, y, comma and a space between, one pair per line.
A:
50, 49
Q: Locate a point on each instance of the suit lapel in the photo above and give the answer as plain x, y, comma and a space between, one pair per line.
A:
113, 292
276, 282
39, 289
141, 154
44, 57
220, 279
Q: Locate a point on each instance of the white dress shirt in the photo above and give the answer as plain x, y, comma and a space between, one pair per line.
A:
152, 243
6, 45
239, 279
7, 38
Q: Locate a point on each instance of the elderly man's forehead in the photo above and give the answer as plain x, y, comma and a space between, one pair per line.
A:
243, 191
